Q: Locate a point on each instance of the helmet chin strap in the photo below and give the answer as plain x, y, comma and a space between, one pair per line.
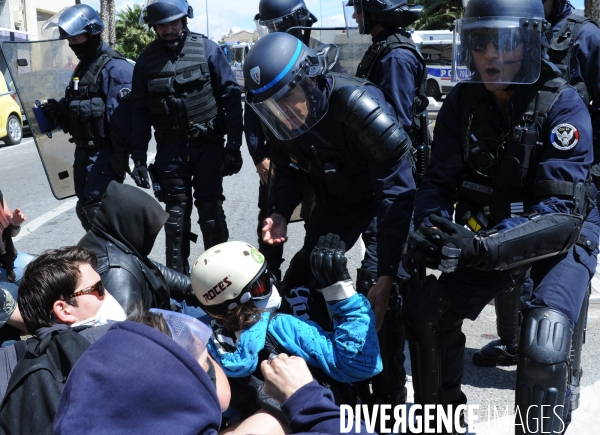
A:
175, 43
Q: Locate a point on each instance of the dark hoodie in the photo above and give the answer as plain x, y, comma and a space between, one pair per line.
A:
123, 234
136, 380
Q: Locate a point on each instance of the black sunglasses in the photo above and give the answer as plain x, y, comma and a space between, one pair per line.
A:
503, 39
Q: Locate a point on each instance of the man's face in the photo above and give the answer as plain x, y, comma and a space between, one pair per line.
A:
295, 106
170, 31
79, 39
88, 304
359, 18
496, 62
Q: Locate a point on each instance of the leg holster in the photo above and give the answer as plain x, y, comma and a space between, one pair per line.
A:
435, 340
90, 213
211, 224
542, 372
82, 217
177, 235
507, 305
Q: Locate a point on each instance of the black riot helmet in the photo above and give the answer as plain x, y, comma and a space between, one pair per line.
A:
73, 21
511, 29
388, 13
280, 15
164, 11
279, 72
557, 7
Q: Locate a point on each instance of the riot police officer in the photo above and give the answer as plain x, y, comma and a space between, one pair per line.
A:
95, 110
273, 16
575, 49
394, 63
339, 134
185, 89
515, 159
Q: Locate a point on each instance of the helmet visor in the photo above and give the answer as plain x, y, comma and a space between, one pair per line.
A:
294, 109
72, 24
298, 17
497, 51
354, 18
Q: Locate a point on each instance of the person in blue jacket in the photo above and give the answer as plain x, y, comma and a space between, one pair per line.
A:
234, 285
96, 109
512, 149
575, 49
339, 134
184, 88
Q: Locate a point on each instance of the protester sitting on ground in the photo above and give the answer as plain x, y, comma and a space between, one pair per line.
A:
122, 236
234, 285
10, 314
12, 262
114, 374
60, 297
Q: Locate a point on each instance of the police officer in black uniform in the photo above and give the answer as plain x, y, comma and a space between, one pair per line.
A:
512, 149
339, 134
185, 89
273, 16
96, 109
575, 49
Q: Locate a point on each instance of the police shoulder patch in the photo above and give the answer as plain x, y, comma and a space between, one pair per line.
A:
564, 137
124, 94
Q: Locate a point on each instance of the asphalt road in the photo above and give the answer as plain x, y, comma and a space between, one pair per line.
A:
52, 223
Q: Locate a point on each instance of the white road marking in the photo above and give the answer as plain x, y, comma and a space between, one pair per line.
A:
30, 226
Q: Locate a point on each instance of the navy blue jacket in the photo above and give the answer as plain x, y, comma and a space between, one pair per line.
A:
398, 73
255, 137
225, 90
584, 65
386, 189
438, 193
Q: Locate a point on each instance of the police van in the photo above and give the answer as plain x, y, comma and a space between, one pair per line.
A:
239, 52
436, 48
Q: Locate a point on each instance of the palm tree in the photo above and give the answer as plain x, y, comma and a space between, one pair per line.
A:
132, 37
438, 14
107, 13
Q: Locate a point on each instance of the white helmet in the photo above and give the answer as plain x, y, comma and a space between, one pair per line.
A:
230, 274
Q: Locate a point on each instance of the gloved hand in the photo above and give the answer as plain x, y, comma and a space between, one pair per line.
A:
53, 108
446, 246
328, 260
140, 175
232, 161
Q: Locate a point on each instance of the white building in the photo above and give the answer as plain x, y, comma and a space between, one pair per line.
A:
21, 20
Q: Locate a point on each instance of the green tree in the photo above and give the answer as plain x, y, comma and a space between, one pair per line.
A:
438, 14
132, 37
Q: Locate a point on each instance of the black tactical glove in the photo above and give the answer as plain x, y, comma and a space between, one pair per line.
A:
53, 109
232, 161
140, 175
446, 246
328, 260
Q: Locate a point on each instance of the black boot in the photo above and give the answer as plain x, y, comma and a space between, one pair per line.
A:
503, 351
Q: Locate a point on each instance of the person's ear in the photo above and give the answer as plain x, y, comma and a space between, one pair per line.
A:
63, 312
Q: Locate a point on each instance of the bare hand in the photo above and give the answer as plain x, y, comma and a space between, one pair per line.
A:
263, 170
274, 231
284, 376
379, 297
17, 217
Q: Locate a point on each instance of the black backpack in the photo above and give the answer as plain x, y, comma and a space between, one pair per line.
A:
35, 386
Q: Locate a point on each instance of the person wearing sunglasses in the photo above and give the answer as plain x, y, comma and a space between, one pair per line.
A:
236, 288
508, 195
65, 307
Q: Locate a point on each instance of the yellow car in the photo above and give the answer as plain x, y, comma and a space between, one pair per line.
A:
11, 122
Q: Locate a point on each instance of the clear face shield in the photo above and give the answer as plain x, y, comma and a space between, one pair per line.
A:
497, 51
353, 15
298, 17
294, 110
50, 28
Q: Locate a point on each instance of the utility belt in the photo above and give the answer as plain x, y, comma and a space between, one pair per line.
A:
210, 131
86, 122
160, 186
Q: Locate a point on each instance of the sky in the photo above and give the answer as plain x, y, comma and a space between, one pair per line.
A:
236, 15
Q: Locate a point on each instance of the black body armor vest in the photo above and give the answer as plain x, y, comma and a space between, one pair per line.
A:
338, 173
378, 50
86, 107
180, 96
499, 166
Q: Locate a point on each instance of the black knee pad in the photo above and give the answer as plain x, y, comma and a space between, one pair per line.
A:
542, 372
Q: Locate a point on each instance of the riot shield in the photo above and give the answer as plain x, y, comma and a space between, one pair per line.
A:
39, 72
